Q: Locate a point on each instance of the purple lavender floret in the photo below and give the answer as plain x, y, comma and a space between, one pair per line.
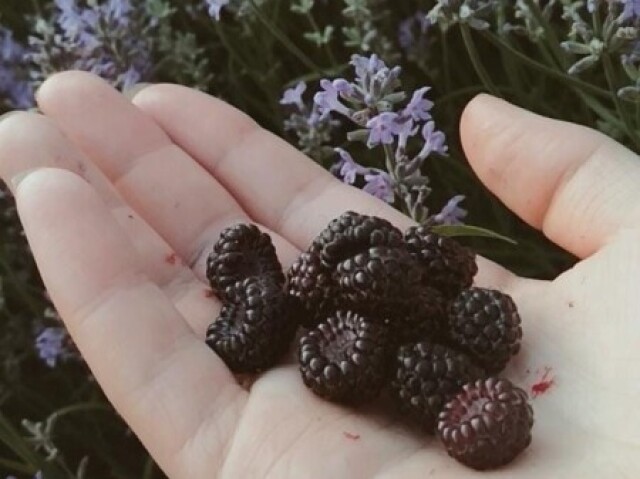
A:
328, 100
380, 185
631, 10
215, 6
377, 182
383, 128
15, 88
52, 344
293, 96
412, 31
419, 107
452, 213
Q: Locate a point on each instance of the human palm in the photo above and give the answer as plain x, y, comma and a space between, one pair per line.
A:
122, 252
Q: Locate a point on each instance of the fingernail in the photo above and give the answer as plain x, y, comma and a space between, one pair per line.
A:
130, 93
19, 177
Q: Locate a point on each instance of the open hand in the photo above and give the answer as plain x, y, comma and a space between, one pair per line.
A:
122, 235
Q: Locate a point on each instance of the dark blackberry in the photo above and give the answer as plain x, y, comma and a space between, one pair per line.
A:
487, 424
352, 233
447, 265
485, 323
345, 359
311, 289
255, 327
424, 316
378, 274
242, 251
427, 376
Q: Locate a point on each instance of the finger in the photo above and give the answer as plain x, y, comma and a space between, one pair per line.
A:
150, 364
175, 194
29, 141
276, 184
577, 185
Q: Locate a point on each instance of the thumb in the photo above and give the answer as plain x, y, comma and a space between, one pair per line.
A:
575, 184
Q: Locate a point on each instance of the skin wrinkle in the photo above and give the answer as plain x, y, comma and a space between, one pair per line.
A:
235, 406
145, 392
202, 246
562, 185
244, 127
339, 416
399, 461
126, 167
247, 413
304, 195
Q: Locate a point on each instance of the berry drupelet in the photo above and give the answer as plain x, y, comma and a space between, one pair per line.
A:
487, 424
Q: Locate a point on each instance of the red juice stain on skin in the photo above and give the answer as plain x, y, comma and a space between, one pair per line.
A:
208, 293
542, 386
352, 436
171, 258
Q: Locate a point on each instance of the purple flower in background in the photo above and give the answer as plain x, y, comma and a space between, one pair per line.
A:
14, 84
293, 96
328, 100
434, 141
419, 107
633, 54
382, 128
215, 6
95, 37
378, 108
380, 185
412, 30
366, 66
631, 10
452, 213
53, 345
347, 168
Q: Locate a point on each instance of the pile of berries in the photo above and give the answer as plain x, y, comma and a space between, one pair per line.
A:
382, 311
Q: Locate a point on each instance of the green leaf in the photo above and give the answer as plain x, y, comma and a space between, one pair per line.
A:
471, 231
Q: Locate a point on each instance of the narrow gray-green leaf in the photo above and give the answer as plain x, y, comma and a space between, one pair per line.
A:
471, 231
